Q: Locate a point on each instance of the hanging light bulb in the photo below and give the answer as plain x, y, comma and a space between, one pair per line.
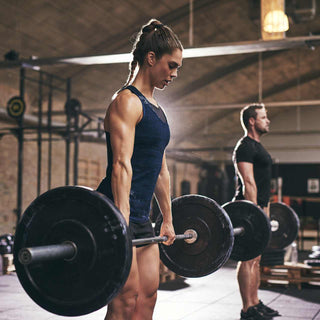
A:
275, 21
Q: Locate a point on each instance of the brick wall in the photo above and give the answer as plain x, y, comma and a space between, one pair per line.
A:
89, 152
92, 163
91, 167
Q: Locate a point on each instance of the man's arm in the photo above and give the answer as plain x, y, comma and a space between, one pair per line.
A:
246, 174
245, 170
121, 119
162, 193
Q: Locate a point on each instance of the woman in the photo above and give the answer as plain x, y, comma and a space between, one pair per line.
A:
137, 134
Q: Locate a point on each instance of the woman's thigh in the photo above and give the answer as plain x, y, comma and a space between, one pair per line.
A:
131, 286
148, 266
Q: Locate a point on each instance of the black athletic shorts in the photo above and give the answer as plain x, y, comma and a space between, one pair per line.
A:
141, 230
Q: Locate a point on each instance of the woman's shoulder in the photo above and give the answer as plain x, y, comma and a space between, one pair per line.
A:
125, 96
125, 101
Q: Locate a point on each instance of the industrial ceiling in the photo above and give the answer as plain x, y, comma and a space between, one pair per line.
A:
203, 103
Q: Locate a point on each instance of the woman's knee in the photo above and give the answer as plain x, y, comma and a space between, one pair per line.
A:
129, 301
147, 300
124, 303
152, 299
128, 296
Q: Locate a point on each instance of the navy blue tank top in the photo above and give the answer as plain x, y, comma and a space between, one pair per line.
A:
151, 138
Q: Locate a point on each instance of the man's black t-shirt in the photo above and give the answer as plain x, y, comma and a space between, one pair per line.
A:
249, 150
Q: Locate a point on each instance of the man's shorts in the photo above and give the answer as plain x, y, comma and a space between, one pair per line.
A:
141, 230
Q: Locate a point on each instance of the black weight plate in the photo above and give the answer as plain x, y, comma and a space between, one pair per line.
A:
288, 228
274, 262
273, 250
252, 243
103, 261
16, 107
272, 255
214, 242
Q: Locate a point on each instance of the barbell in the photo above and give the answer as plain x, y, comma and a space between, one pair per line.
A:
73, 251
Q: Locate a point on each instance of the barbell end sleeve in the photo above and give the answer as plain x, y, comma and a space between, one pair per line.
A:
190, 236
274, 225
66, 250
25, 256
238, 231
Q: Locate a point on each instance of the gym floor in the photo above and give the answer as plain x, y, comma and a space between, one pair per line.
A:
213, 297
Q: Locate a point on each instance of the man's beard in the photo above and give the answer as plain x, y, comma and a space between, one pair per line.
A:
262, 131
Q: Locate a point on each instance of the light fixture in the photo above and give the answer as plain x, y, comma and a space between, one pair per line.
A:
275, 21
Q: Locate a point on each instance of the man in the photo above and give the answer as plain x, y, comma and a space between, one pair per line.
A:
253, 169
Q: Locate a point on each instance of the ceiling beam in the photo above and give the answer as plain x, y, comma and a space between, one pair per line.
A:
230, 149
217, 50
309, 76
233, 134
210, 107
268, 104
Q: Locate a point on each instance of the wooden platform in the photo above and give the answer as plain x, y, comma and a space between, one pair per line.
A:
7, 263
290, 274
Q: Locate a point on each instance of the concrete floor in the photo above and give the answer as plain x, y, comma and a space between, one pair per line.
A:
213, 297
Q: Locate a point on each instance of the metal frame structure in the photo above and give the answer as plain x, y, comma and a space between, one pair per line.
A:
70, 132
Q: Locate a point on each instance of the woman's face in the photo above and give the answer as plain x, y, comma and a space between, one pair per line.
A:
166, 68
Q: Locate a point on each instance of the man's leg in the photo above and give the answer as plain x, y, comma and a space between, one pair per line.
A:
249, 278
148, 266
123, 305
255, 280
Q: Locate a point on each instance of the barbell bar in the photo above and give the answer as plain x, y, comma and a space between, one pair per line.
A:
68, 249
81, 250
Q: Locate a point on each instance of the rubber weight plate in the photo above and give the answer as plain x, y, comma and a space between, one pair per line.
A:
288, 228
103, 260
214, 242
257, 233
